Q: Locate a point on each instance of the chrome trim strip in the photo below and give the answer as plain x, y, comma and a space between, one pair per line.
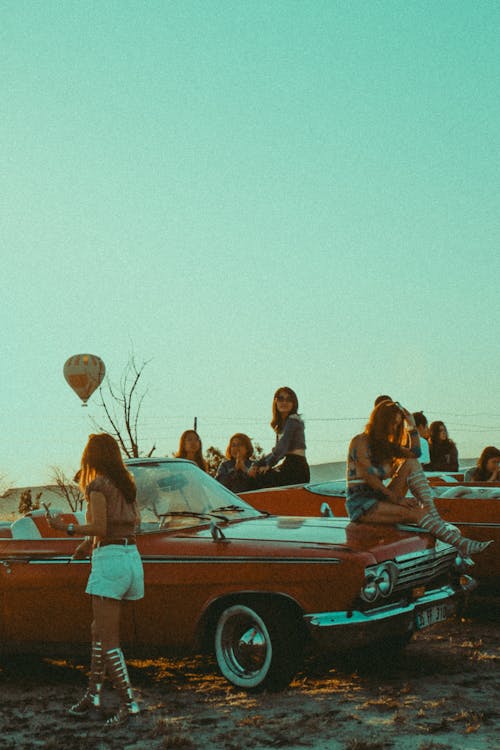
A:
55, 561
244, 560
190, 560
333, 619
488, 525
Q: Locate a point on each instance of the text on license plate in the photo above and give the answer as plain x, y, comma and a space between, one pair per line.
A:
431, 615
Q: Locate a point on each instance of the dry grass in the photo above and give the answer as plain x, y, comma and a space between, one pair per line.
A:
444, 686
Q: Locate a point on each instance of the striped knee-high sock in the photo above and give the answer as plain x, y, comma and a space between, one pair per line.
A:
434, 524
420, 488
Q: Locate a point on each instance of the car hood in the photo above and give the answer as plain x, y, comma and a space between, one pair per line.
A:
319, 531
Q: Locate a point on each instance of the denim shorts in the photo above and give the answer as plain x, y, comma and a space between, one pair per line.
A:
360, 499
116, 573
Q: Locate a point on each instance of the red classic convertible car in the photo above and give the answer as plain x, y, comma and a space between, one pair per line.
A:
473, 507
220, 575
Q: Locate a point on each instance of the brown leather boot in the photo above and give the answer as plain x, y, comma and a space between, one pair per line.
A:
118, 673
92, 697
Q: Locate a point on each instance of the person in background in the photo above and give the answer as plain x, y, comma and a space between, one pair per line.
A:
487, 468
381, 398
290, 447
381, 453
190, 447
233, 472
116, 574
423, 432
443, 451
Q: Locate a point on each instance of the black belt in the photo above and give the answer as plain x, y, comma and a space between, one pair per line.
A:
124, 540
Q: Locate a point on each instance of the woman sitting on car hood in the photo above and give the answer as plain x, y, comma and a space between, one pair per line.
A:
381, 453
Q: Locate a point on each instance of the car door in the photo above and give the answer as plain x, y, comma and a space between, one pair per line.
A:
42, 592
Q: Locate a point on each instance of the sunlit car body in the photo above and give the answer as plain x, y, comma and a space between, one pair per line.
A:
219, 575
473, 507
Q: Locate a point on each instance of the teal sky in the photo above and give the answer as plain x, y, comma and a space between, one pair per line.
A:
249, 195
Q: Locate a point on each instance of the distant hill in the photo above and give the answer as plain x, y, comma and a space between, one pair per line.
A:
336, 470
325, 472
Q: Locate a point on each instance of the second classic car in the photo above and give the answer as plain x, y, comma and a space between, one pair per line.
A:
220, 575
473, 507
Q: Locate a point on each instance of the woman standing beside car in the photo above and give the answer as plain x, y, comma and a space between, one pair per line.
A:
116, 573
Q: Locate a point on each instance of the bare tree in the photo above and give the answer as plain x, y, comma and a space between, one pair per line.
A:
3, 484
67, 488
213, 457
122, 407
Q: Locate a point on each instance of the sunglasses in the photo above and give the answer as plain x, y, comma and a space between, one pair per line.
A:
284, 398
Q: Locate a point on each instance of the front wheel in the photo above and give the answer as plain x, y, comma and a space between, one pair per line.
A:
257, 647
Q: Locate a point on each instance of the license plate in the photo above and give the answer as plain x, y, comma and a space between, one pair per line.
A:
431, 615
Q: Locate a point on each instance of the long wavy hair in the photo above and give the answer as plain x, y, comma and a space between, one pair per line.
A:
243, 439
101, 456
385, 438
435, 438
198, 456
480, 473
277, 421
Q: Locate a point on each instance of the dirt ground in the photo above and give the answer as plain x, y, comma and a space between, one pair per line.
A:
441, 692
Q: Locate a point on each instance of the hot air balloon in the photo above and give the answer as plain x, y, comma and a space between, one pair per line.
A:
84, 373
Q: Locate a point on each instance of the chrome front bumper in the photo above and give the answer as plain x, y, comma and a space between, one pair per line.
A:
340, 631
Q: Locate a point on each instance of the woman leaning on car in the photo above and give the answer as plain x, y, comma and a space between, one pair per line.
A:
290, 447
112, 518
389, 449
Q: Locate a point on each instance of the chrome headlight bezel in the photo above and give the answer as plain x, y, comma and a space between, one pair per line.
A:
379, 582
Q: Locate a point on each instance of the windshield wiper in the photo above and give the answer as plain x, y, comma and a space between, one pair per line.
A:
193, 513
235, 508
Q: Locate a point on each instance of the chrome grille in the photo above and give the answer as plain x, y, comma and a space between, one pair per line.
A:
417, 569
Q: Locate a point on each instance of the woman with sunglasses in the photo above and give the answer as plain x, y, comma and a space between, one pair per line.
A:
290, 448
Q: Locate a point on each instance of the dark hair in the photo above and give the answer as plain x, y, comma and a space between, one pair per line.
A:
277, 421
198, 456
384, 439
379, 400
243, 439
480, 473
102, 456
434, 429
420, 419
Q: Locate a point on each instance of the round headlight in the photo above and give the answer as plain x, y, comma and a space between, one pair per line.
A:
379, 582
385, 581
369, 592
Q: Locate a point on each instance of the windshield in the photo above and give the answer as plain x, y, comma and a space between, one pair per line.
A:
181, 488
